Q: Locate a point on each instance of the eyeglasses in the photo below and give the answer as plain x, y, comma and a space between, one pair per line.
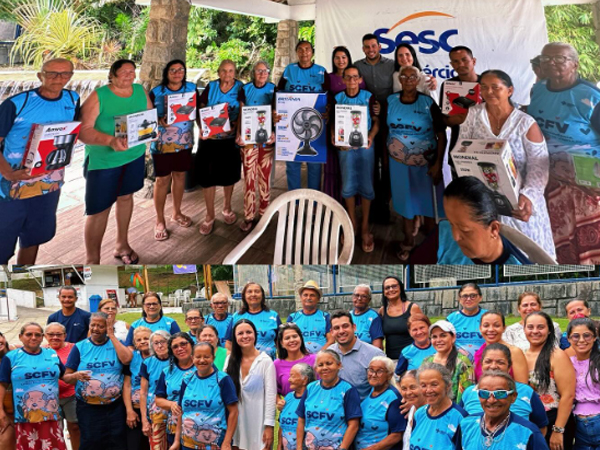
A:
37, 335
351, 77
181, 69
54, 75
558, 59
183, 345
362, 297
193, 319
159, 343
469, 296
498, 395
411, 78
391, 286
262, 71
219, 303
55, 335
587, 337
109, 309
151, 305
377, 373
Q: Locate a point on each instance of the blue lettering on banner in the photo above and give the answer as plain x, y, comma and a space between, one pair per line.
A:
100, 365
425, 41
443, 73
197, 403
42, 374
319, 415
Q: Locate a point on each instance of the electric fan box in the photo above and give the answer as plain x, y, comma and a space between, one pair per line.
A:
492, 161
257, 124
300, 134
351, 126
215, 120
180, 107
459, 97
50, 146
138, 128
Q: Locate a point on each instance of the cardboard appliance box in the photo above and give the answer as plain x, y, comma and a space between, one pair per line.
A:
215, 120
459, 97
180, 107
257, 124
138, 128
50, 146
351, 126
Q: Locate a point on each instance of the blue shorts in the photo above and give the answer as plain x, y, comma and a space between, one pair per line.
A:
356, 166
31, 221
104, 186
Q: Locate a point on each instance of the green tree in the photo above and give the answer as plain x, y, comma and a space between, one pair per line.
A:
574, 24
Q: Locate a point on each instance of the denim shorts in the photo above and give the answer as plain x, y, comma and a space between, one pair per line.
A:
587, 433
356, 165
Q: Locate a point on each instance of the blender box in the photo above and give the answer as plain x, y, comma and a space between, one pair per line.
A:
215, 120
257, 124
50, 146
138, 128
492, 161
351, 126
180, 107
459, 97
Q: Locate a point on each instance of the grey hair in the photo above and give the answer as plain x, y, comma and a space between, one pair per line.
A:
331, 353
194, 309
512, 386
266, 64
445, 373
57, 60
99, 315
403, 68
139, 330
159, 333
364, 286
228, 61
571, 50
389, 366
218, 295
55, 324
409, 374
305, 371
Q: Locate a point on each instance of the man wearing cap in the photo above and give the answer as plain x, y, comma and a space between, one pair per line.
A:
355, 354
314, 323
368, 323
466, 320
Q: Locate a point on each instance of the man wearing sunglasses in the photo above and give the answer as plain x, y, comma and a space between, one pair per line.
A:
497, 427
31, 201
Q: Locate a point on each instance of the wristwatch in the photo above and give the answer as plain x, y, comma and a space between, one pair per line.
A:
556, 429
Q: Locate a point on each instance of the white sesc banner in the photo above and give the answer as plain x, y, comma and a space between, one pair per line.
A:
503, 34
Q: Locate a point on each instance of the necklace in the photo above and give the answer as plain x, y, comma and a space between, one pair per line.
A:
487, 436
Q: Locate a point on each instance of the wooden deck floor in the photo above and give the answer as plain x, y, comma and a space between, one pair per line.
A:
185, 246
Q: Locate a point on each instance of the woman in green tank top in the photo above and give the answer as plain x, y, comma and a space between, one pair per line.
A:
113, 171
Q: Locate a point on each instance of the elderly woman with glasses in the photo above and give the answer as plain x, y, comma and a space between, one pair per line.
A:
152, 317
154, 419
497, 427
257, 159
382, 424
110, 307
300, 376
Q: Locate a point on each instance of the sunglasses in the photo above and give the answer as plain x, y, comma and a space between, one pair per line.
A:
498, 395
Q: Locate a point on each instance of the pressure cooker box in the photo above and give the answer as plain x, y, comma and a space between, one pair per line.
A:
138, 128
180, 107
50, 146
492, 161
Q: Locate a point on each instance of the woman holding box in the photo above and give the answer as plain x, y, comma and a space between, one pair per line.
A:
113, 171
497, 118
172, 152
218, 159
257, 157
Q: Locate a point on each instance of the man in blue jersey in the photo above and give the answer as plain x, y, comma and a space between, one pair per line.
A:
31, 201
466, 321
314, 323
220, 317
368, 323
75, 320
303, 77
355, 354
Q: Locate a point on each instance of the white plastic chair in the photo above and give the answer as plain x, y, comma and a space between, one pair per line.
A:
308, 230
535, 253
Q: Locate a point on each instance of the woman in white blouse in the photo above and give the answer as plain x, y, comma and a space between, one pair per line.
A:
498, 118
253, 374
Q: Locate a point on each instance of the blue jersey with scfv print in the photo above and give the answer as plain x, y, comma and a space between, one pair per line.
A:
381, 416
308, 80
169, 387
221, 325
164, 323
34, 380
203, 403
433, 433
215, 97
135, 367
106, 379
151, 369
468, 336
288, 421
266, 323
412, 356
362, 99
368, 325
255, 96
326, 412
314, 328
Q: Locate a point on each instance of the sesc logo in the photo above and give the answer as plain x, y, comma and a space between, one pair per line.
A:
426, 41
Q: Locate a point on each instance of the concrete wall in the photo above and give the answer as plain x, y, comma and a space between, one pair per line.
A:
8, 309
441, 302
22, 298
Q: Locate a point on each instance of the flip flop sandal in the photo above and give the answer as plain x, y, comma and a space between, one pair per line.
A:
404, 253
127, 258
229, 218
183, 221
206, 227
246, 225
161, 234
369, 245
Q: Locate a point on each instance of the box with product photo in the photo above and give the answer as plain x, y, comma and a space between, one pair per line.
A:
587, 169
50, 146
300, 134
180, 107
351, 126
257, 124
215, 120
492, 161
138, 128
459, 97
